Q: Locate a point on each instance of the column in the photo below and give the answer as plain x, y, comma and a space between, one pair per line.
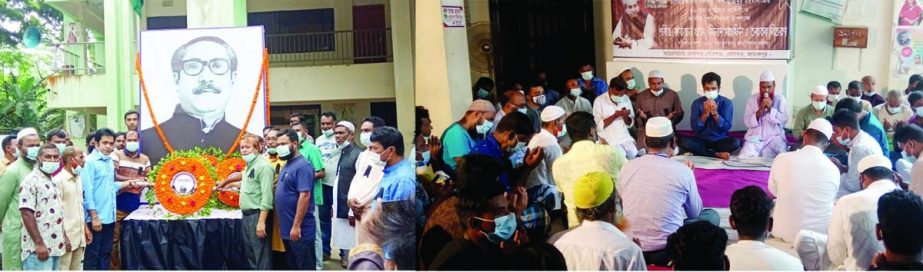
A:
402, 44
120, 61
216, 13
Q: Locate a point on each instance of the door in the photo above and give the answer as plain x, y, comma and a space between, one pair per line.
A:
369, 34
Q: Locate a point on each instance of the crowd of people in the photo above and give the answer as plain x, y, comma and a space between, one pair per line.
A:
300, 197
587, 178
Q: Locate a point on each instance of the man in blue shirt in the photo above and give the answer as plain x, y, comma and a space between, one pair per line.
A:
399, 180
99, 190
590, 85
294, 203
711, 119
510, 137
867, 122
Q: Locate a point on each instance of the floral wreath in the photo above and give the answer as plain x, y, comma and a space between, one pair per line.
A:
183, 165
225, 168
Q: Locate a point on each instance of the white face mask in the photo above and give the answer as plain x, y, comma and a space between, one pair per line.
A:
918, 111
563, 131
49, 167
283, 150
833, 98
365, 138
617, 99
426, 156
539, 99
483, 93
523, 110
485, 127
894, 110
711, 94
328, 133
575, 92
819, 105
377, 160
588, 75
631, 83
869, 93
657, 93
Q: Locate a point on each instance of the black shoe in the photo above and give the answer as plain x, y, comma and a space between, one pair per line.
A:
326, 257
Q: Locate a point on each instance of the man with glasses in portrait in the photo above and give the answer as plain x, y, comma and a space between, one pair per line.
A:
204, 71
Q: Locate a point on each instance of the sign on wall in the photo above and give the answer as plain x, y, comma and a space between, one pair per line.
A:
831, 10
907, 42
701, 29
453, 16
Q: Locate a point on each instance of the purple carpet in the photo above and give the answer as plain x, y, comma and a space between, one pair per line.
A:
717, 186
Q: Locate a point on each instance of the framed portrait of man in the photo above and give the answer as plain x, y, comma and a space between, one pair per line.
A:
200, 87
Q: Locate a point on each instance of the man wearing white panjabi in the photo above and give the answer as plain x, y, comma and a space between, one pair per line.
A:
343, 225
765, 117
364, 187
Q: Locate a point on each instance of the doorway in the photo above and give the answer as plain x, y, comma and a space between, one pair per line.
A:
555, 36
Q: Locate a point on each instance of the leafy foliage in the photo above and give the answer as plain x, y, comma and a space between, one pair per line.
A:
26, 13
22, 93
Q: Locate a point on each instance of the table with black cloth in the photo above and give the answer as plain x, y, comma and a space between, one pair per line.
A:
153, 241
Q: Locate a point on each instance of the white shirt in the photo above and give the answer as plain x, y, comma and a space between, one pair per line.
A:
598, 245
755, 255
805, 184
860, 147
881, 111
916, 174
851, 241
572, 106
331, 155
543, 172
584, 157
617, 132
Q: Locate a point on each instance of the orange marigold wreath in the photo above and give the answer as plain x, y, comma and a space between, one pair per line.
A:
184, 167
225, 168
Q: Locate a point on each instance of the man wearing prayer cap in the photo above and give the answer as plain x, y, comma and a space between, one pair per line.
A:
851, 241
805, 184
657, 100
659, 194
598, 244
540, 185
817, 109
343, 233
10, 216
460, 137
765, 117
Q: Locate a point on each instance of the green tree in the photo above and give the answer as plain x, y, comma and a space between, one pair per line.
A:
26, 13
22, 93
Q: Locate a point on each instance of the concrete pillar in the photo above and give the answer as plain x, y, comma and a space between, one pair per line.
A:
441, 70
119, 62
216, 13
402, 44
602, 14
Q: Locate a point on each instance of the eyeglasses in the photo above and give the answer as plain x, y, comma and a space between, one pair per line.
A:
194, 67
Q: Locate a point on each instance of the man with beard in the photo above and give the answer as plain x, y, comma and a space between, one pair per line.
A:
204, 71
635, 30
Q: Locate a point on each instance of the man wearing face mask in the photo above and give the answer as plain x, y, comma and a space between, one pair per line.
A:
711, 119
869, 94
574, 101
343, 235
552, 95
765, 117
10, 152
483, 89
632, 85
59, 138
854, 91
916, 103
294, 203
591, 85
68, 182
658, 100
614, 114
860, 145
29, 144
459, 138
833, 93
817, 109
910, 139
330, 151
536, 100
893, 113
868, 123
516, 101
45, 239
399, 180
278, 248
541, 181
364, 188
313, 155
131, 165
509, 138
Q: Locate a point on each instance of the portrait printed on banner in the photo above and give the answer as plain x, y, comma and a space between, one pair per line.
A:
200, 85
634, 28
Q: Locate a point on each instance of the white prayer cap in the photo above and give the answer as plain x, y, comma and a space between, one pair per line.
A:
823, 126
872, 161
658, 127
767, 76
26, 132
655, 74
551, 113
348, 125
482, 105
625, 68
820, 90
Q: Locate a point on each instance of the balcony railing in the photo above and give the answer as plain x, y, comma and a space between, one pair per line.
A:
82, 58
330, 48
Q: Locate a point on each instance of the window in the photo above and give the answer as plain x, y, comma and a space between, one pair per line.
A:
166, 22
296, 31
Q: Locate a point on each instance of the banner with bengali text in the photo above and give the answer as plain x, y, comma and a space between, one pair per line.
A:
701, 29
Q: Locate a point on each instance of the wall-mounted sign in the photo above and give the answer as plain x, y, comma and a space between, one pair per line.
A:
831, 10
453, 16
851, 37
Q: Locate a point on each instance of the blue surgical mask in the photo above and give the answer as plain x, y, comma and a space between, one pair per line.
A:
132, 146
426, 156
483, 93
504, 227
77, 170
16, 153
32, 153
519, 146
249, 157
523, 110
485, 127
50, 167
632, 83
908, 157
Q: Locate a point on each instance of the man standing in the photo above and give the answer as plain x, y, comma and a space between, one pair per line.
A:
99, 200
750, 216
294, 203
9, 197
364, 188
614, 113
68, 181
659, 194
399, 180
597, 244
516, 102
573, 101
344, 230
541, 78
765, 117
10, 152
635, 30
860, 145
131, 120
851, 239
329, 150
510, 137
817, 109
711, 119
256, 199
541, 182
296, 118
279, 261
459, 138
592, 86
131, 165
314, 156
44, 239
870, 95
657, 100
586, 155
536, 98
805, 183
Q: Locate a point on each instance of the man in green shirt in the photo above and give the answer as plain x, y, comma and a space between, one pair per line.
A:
29, 144
256, 199
313, 155
817, 109
458, 138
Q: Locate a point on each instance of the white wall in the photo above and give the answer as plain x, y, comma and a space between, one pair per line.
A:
327, 83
